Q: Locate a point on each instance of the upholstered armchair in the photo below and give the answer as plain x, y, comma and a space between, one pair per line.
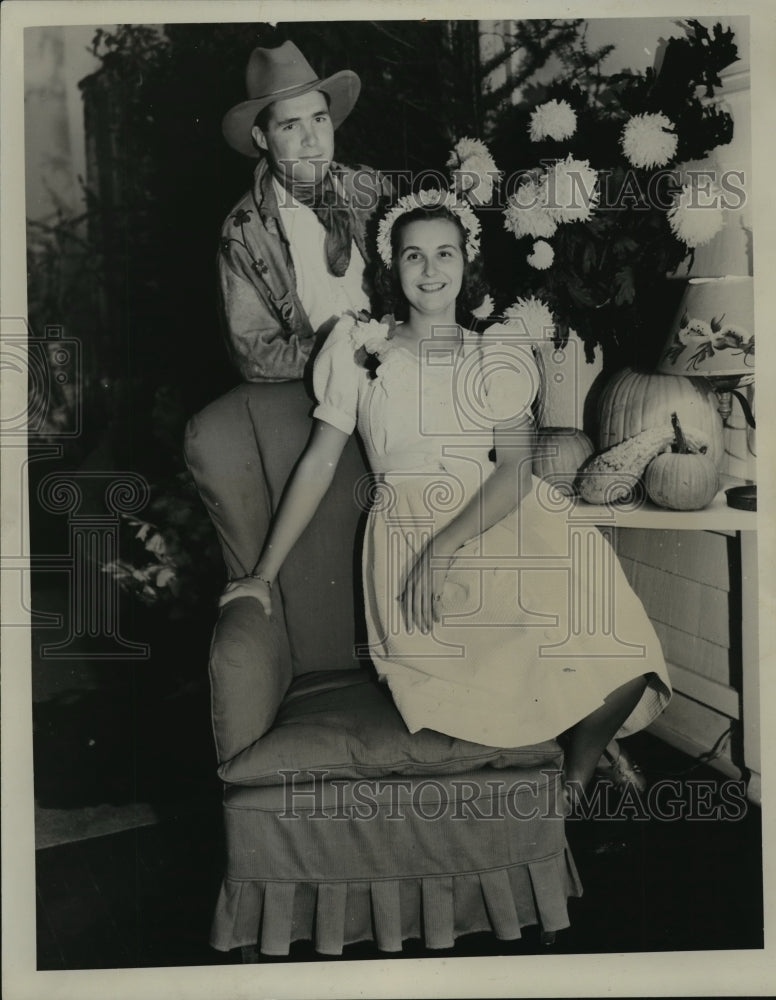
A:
340, 826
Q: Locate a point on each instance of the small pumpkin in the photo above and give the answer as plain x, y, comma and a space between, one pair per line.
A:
681, 479
558, 455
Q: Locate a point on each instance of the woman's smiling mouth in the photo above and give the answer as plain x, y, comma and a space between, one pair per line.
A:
432, 286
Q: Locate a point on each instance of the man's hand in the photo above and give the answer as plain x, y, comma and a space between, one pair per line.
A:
248, 586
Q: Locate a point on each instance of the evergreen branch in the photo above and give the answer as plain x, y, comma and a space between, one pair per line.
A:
379, 26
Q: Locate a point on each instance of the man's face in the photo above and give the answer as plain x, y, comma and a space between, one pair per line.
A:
299, 138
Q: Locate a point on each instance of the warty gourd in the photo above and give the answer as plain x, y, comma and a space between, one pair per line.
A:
614, 474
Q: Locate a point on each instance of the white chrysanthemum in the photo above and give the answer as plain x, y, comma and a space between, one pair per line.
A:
473, 170
485, 308
465, 148
542, 255
649, 140
526, 212
572, 190
476, 178
533, 314
553, 120
695, 216
429, 198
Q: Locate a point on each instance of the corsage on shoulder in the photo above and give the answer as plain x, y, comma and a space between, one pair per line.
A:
371, 340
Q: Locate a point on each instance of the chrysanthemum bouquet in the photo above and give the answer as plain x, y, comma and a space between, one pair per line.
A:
598, 196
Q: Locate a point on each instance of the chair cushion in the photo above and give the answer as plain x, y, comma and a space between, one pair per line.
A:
344, 724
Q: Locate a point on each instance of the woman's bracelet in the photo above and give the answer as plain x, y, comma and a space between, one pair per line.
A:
258, 576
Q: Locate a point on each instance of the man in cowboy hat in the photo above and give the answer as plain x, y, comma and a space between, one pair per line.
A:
292, 249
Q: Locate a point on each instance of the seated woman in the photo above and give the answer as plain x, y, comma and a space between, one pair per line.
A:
469, 584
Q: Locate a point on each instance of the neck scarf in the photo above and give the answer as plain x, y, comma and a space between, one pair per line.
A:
334, 213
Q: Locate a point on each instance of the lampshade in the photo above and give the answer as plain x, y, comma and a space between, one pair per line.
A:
713, 332
729, 253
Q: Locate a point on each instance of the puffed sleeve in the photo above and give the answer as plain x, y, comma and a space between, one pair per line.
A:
510, 375
336, 377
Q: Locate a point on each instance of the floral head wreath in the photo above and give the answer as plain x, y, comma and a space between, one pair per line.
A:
429, 198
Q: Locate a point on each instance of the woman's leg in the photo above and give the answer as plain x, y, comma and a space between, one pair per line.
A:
586, 740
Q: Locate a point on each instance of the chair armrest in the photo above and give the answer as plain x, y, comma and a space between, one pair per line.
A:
250, 671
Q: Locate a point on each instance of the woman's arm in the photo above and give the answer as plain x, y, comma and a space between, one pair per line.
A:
304, 491
500, 494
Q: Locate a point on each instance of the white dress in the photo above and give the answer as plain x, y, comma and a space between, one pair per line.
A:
538, 622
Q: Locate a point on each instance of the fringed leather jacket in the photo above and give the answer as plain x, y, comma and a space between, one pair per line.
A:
267, 330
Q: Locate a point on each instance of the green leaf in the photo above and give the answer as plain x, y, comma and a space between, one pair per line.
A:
625, 246
588, 258
579, 293
625, 289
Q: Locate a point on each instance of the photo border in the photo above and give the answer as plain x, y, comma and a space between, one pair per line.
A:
749, 972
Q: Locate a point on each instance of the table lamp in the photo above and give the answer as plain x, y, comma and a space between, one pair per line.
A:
713, 335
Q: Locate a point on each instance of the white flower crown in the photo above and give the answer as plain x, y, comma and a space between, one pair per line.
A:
429, 198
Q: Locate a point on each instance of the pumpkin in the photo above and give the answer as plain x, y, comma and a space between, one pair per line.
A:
681, 479
614, 474
633, 402
559, 453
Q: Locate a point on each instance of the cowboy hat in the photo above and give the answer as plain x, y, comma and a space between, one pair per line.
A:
276, 75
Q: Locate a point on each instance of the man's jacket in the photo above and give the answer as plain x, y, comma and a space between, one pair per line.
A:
268, 333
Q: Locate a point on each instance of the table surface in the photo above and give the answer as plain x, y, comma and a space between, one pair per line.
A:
717, 516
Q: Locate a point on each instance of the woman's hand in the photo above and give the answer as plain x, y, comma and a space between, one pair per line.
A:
248, 586
423, 587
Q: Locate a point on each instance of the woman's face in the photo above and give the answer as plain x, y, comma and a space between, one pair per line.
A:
430, 265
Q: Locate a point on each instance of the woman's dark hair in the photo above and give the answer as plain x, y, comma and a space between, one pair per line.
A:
388, 286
